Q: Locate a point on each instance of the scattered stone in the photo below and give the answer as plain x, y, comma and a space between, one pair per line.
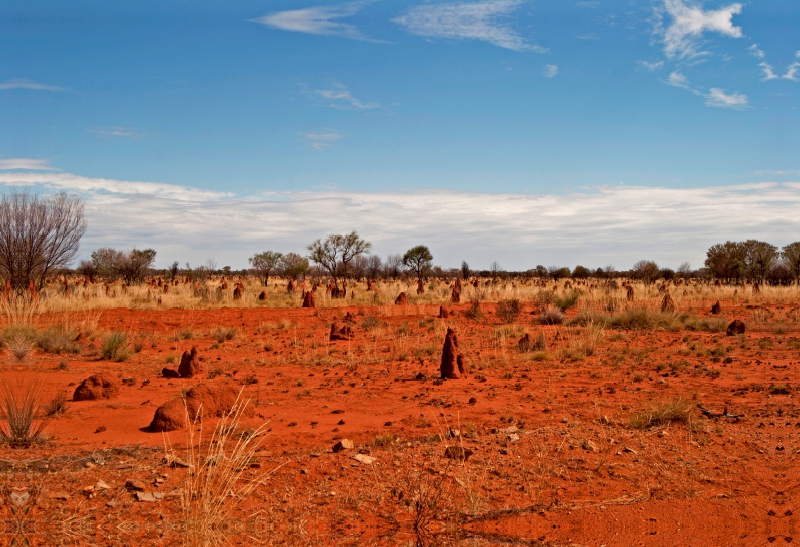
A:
736, 327
512, 438
363, 458
100, 429
457, 453
473, 401
508, 430
170, 373
146, 496
343, 444
628, 449
101, 485
174, 461
135, 485
98, 386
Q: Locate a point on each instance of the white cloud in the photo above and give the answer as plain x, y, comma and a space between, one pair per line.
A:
98, 187
791, 72
756, 52
689, 22
21, 83
31, 164
590, 36
651, 66
339, 97
318, 20
319, 140
717, 97
550, 71
768, 172
676, 79
114, 131
588, 227
766, 68
469, 21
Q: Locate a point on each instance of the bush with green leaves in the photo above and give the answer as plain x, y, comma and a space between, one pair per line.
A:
115, 347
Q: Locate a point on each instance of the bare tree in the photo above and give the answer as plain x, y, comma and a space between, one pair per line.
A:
38, 236
131, 266
393, 266
374, 266
336, 252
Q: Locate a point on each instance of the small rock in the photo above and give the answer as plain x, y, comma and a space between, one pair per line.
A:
457, 453
363, 458
174, 461
512, 438
145, 496
628, 449
101, 485
344, 444
473, 400
509, 430
135, 485
100, 429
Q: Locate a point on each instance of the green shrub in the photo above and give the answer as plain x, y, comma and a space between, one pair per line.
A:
115, 347
567, 301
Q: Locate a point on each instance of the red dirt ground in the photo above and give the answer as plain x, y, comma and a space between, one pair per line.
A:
573, 472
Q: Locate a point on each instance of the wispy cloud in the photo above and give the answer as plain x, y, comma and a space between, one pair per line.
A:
687, 24
756, 52
318, 20
717, 97
319, 140
591, 36
768, 172
114, 131
467, 21
652, 67
766, 68
668, 225
21, 83
791, 72
550, 71
338, 96
30, 164
97, 186
676, 79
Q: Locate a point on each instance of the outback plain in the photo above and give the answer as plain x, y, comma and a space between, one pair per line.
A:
572, 412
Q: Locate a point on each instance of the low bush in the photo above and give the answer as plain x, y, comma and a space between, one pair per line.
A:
115, 347
509, 310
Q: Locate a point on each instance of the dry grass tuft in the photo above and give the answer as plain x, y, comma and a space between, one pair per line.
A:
664, 413
218, 477
21, 425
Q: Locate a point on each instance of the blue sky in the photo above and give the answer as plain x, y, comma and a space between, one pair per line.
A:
367, 108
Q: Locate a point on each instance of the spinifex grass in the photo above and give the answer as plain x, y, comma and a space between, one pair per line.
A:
21, 422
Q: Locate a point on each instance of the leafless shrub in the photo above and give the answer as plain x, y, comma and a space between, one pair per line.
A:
38, 236
509, 310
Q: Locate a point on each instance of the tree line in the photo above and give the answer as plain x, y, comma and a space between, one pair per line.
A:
40, 237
